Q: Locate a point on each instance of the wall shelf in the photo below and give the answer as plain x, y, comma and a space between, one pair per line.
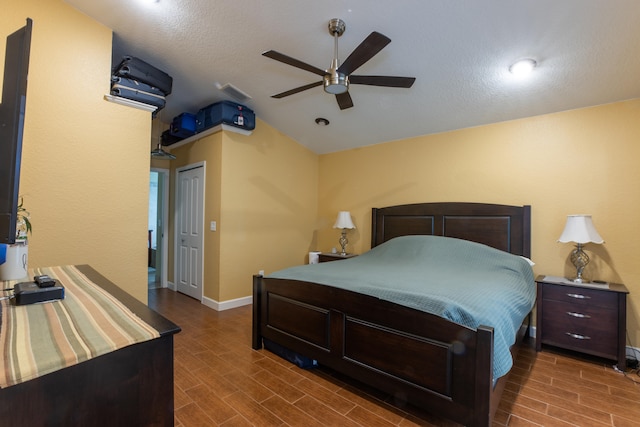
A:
207, 132
130, 103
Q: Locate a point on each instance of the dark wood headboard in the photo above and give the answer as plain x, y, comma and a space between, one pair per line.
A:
504, 227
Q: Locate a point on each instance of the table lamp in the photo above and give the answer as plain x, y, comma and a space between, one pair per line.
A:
344, 222
580, 230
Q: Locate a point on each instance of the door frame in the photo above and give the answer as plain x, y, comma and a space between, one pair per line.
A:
176, 231
164, 271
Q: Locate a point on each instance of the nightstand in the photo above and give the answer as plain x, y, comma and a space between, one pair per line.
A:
328, 256
583, 318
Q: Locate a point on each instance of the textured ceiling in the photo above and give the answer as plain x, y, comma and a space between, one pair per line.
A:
588, 53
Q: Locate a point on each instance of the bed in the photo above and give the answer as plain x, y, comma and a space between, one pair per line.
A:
415, 356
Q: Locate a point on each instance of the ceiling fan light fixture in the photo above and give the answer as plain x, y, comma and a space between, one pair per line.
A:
337, 78
336, 83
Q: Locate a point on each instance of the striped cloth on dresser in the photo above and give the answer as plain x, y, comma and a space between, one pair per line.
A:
38, 339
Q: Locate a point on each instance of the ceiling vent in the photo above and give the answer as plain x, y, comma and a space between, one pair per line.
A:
233, 92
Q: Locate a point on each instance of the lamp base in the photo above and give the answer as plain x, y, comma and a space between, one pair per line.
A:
343, 242
580, 260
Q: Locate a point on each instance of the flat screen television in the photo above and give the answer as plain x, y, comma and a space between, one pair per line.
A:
12, 109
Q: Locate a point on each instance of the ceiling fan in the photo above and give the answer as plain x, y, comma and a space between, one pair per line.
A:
338, 77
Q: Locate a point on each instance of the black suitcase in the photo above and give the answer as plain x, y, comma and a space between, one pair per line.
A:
226, 112
167, 139
137, 91
137, 69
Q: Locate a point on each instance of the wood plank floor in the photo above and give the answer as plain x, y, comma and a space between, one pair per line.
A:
221, 381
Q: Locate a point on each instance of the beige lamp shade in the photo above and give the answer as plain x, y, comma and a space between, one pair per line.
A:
580, 229
344, 220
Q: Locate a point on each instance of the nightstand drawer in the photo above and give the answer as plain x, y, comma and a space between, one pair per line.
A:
563, 314
580, 296
605, 348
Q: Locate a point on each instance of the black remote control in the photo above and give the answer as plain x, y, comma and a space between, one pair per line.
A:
44, 281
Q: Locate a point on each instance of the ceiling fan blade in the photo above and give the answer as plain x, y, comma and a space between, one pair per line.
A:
373, 44
344, 100
389, 81
296, 90
293, 62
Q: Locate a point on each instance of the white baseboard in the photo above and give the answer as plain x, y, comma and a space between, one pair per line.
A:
219, 306
226, 305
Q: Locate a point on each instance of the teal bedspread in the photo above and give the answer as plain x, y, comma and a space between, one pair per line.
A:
464, 282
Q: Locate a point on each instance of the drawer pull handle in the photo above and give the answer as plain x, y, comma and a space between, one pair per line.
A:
579, 296
578, 336
579, 315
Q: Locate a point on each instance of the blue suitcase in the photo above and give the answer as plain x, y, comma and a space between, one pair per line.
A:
137, 91
136, 69
183, 125
226, 112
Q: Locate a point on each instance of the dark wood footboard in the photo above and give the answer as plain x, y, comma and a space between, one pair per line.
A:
443, 367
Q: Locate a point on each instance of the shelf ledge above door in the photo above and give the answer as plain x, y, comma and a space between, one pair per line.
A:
207, 132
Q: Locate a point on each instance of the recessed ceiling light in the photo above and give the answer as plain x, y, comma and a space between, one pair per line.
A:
321, 121
523, 67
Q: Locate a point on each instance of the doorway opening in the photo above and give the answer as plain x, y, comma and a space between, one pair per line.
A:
157, 242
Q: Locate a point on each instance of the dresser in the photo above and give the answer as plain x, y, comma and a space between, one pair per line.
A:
585, 319
132, 385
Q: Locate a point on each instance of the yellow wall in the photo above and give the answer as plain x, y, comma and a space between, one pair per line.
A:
262, 192
85, 164
580, 161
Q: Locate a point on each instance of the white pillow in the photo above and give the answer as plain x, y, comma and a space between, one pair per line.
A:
531, 263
